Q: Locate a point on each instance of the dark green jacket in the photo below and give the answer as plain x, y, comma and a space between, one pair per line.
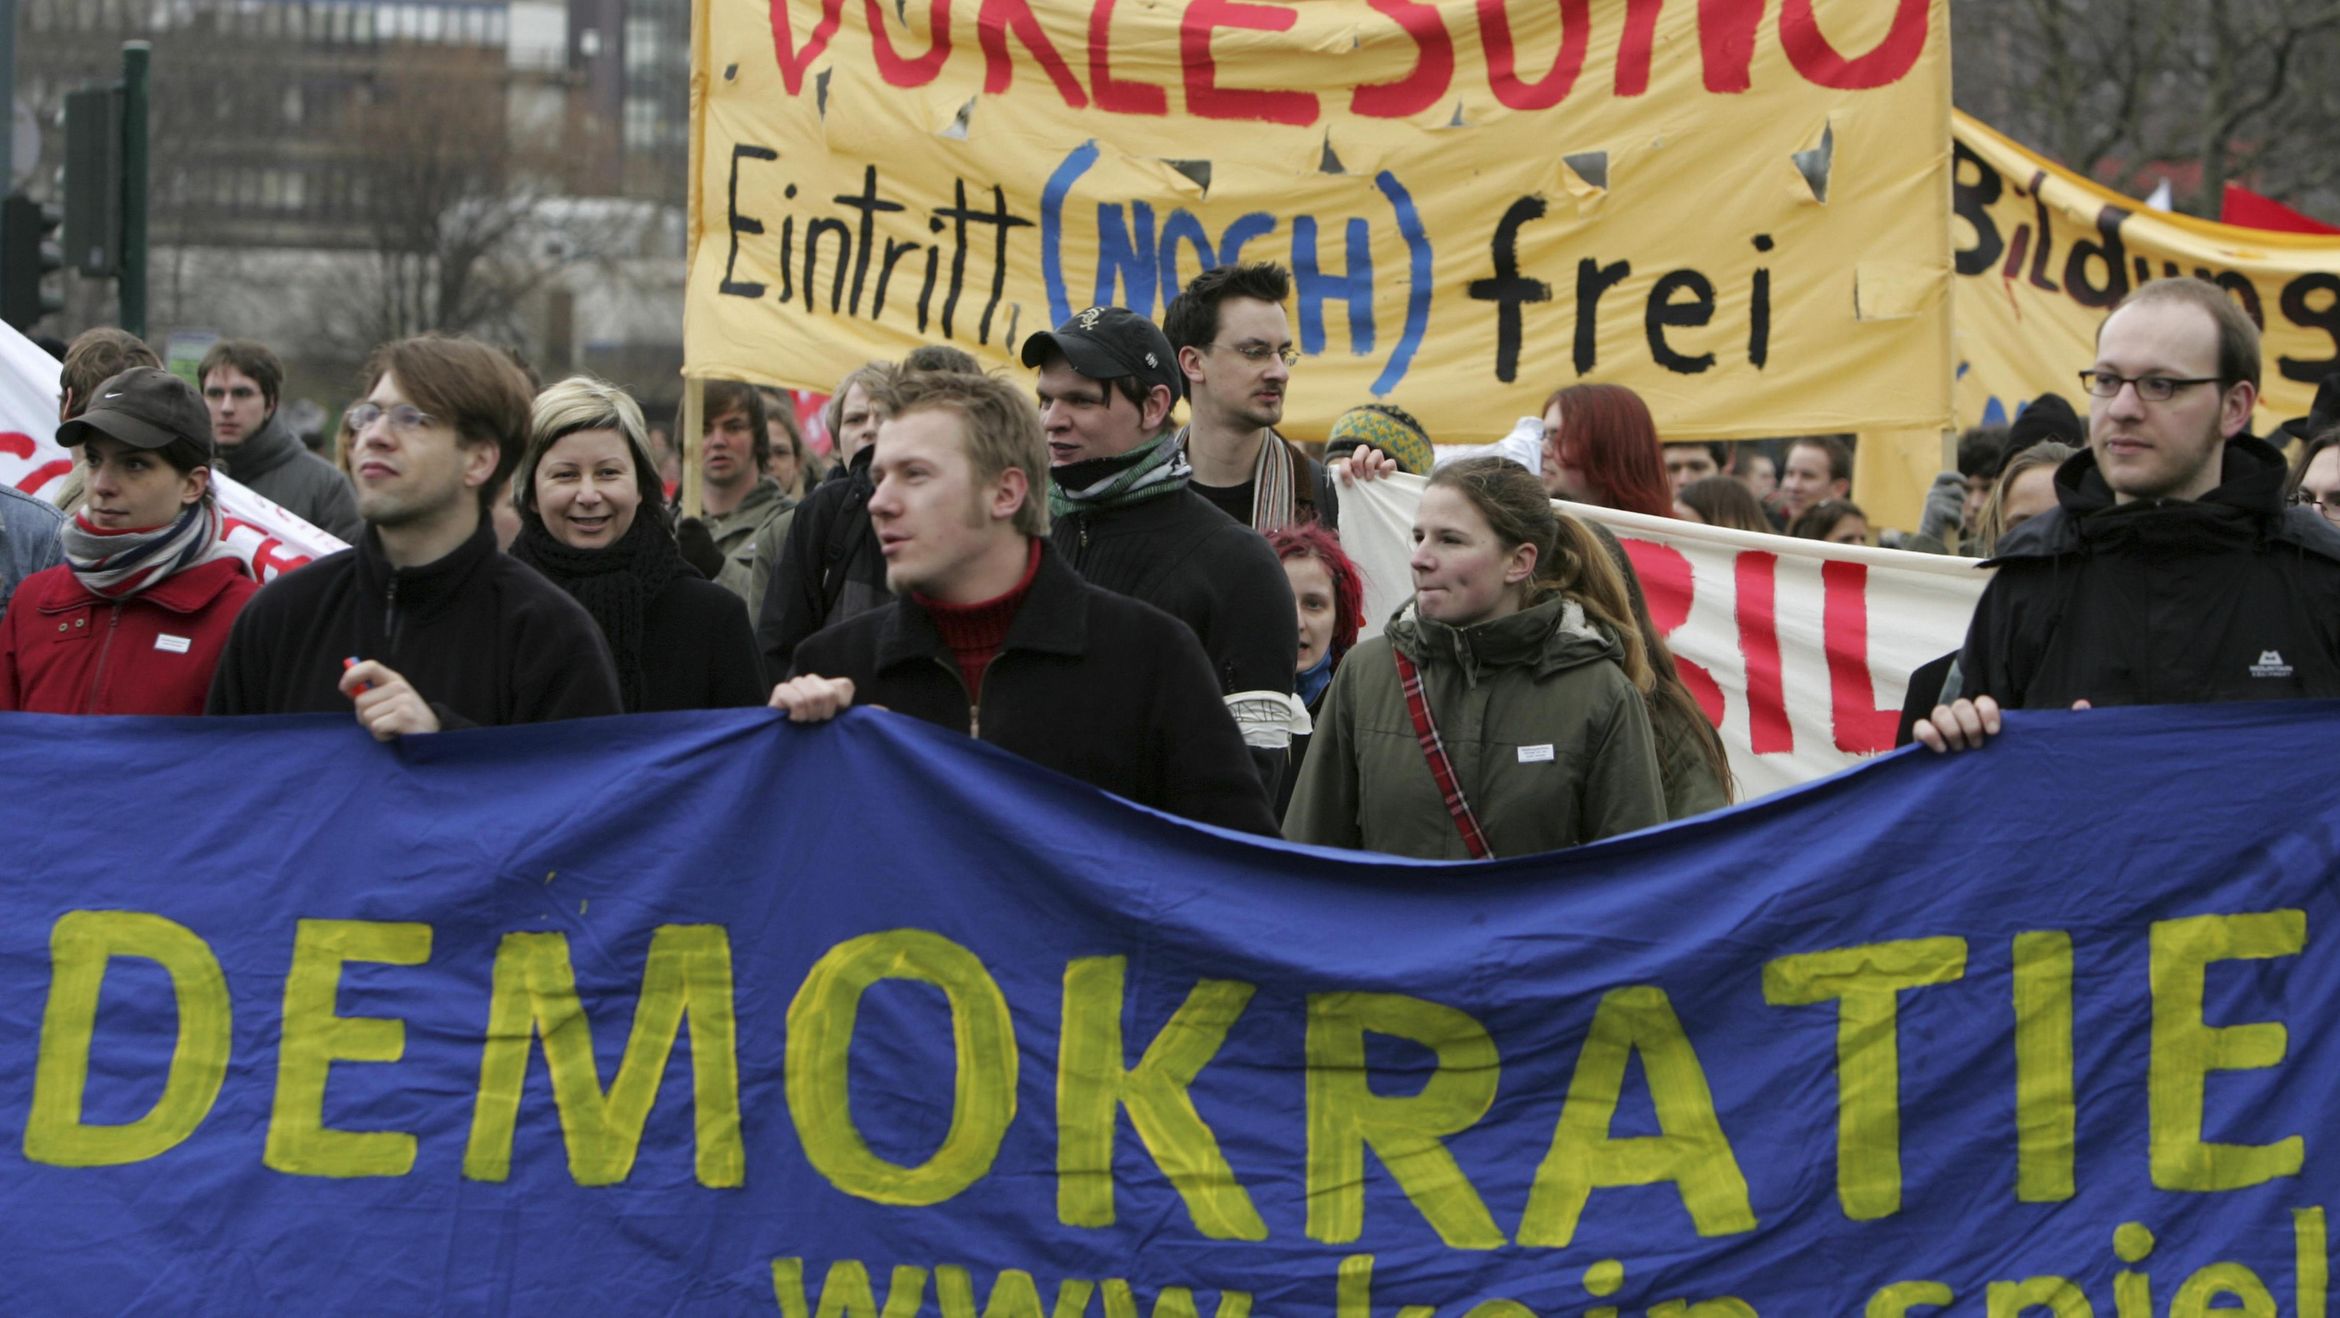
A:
1549, 740
735, 534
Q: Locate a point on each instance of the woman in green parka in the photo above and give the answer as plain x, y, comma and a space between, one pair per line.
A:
1531, 676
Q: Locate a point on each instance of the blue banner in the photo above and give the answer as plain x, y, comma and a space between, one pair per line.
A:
709, 1012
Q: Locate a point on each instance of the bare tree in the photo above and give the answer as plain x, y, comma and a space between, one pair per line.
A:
2116, 88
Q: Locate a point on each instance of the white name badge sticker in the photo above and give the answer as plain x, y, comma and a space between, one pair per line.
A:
178, 645
1535, 754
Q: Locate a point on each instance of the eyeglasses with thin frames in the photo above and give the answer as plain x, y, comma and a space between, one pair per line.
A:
2151, 388
1257, 353
2327, 508
405, 418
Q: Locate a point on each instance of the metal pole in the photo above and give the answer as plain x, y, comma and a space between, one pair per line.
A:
132, 283
693, 419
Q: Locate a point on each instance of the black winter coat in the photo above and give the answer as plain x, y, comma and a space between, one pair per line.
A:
2229, 597
1098, 687
482, 637
1182, 555
830, 568
699, 652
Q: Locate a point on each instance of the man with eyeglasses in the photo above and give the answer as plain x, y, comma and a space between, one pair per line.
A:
423, 624
1125, 516
2171, 572
1234, 347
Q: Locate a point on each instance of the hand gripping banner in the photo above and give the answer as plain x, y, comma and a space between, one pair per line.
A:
710, 1013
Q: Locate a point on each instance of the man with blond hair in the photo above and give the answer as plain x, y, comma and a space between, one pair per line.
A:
990, 631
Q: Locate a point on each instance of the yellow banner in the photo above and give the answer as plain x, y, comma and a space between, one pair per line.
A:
2043, 254
1733, 206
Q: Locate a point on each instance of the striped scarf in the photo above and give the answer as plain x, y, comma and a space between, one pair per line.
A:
118, 564
1148, 471
1275, 502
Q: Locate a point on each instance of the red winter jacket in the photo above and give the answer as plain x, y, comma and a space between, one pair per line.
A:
64, 650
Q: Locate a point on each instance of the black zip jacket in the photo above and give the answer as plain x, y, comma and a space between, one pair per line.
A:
2229, 597
485, 639
1100, 688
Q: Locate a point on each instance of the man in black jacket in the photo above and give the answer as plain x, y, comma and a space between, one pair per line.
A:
993, 633
1126, 517
827, 568
423, 625
2171, 572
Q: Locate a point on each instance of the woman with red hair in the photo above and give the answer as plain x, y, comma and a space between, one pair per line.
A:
1331, 599
1601, 448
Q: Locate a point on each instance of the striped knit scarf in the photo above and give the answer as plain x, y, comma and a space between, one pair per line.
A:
1275, 503
118, 564
1146, 472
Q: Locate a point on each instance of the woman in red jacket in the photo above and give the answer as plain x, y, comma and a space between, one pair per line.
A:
134, 619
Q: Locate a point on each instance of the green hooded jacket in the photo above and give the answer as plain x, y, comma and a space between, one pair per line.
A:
734, 533
1550, 742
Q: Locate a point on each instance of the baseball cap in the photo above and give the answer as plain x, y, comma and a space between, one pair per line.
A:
2322, 414
1106, 343
144, 407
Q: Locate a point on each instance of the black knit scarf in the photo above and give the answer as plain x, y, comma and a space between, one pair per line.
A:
615, 585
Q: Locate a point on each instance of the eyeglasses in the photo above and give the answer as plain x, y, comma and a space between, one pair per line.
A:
2151, 388
1257, 353
2329, 509
405, 418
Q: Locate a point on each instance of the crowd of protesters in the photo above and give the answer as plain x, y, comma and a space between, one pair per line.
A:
1113, 563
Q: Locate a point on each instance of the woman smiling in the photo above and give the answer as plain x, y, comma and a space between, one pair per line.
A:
1501, 711
591, 519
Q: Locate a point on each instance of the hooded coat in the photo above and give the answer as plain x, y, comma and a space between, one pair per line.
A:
2232, 596
735, 535
275, 465
1550, 742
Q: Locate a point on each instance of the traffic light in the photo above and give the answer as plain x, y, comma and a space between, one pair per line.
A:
28, 255
93, 180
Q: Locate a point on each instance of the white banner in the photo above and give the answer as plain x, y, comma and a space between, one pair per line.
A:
1800, 651
270, 539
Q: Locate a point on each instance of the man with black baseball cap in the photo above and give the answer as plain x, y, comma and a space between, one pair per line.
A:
134, 619
1126, 519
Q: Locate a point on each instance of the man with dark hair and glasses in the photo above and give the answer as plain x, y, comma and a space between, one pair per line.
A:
422, 624
1234, 349
2171, 570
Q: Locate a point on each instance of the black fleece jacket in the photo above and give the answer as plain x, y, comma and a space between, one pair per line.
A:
2231, 596
484, 638
1100, 688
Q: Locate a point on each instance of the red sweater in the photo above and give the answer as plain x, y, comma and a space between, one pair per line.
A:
64, 650
976, 631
